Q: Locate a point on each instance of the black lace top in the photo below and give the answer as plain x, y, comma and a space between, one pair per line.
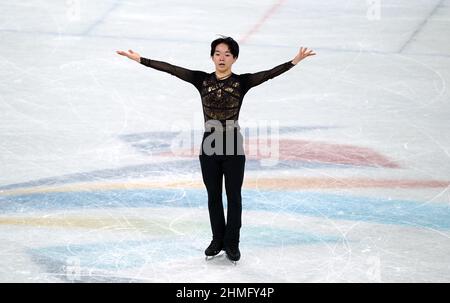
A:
221, 99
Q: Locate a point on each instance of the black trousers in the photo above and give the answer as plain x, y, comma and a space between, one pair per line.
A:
230, 167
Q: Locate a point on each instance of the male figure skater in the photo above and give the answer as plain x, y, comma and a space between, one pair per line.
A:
222, 153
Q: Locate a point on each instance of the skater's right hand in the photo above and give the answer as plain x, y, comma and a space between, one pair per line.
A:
131, 55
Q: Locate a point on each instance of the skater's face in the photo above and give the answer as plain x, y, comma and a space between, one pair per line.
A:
222, 58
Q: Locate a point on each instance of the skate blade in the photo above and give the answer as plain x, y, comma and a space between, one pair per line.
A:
208, 258
232, 261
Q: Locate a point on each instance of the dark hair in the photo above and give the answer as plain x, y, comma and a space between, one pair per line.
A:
232, 45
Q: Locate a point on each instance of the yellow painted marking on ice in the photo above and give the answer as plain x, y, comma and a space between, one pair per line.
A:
101, 186
156, 227
263, 183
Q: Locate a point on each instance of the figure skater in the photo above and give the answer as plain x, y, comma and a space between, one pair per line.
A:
222, 154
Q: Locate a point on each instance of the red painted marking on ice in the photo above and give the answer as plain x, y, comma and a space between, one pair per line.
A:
308, 151
332, 153
304, 183
261, 21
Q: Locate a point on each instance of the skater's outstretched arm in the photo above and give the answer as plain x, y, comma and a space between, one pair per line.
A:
183, 73
255, 79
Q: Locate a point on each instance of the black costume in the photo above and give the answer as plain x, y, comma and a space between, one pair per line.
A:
222, 100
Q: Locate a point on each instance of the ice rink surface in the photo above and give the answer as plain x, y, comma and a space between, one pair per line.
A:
96, 185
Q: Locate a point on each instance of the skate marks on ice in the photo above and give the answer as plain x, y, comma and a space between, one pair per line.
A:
132, 235
138, 229
310, 203
118, 246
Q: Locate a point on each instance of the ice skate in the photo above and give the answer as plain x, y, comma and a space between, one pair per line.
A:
213, 249
233, 253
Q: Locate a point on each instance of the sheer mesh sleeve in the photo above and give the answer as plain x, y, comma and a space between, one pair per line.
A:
251, 80
194, 77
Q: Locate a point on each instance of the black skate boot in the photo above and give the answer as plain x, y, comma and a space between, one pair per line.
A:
214, 248
232, 251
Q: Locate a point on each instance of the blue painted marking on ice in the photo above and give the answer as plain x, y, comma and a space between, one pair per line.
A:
132, 254
330, 206
114, 255
182, 40
420, 26
101, 19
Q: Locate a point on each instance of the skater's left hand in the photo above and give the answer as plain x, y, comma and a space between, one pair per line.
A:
302, 54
